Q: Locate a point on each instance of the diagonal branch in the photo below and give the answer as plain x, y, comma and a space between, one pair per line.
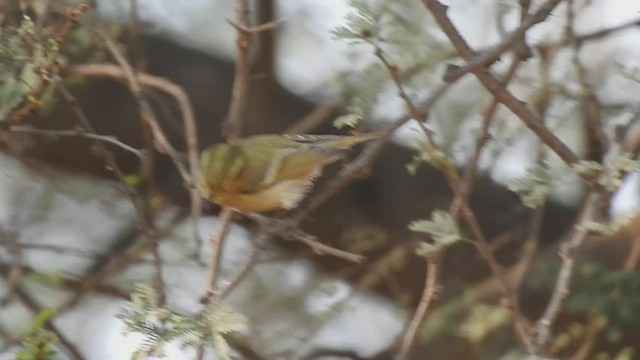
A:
496, 87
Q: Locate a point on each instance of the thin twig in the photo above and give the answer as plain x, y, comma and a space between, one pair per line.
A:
561, 288
232, 129
149, 119
146, 111
12, 280
323, 249
288, 229
109, 158
495, 87
631, 263
484, 249
598, 141
593, 202
255, 29
428, 295
459, 207
217, 238
241, 273
186, 109
471, 170
77, 133
67, 344
311, 121
596, 35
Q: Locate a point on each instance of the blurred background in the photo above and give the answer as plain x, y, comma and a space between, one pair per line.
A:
83, 172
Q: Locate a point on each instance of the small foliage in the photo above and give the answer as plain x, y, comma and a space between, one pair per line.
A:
434, 157
350, 120
482, 321
534, 187
38, 341
606, 229
610, 176
365, 22
442, 228
54, 279
380, 24
159, 325
600, 292
361, 96
28, 64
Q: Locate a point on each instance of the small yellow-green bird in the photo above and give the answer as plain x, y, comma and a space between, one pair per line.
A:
268, 172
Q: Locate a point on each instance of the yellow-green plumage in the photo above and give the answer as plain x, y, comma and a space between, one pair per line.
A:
268, 172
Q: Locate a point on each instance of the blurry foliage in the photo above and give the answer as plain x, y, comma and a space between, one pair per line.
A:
39, 342
534, 187
363, 238
442, 228
160, 325
54, 279
611, 174
426, 153
362, 97
385, 271
572, 335
607, 229
28, 67
482, 321
602, 292
382, 24
624, 354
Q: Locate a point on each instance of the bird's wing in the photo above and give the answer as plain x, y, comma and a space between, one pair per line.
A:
275, 166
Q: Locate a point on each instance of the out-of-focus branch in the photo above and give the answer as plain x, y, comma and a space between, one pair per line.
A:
232, 127
494, 86
561, 288
159, 138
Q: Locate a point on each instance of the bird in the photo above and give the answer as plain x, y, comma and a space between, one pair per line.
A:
263, 173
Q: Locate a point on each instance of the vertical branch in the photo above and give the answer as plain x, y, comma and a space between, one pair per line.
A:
461, 208
232, 127
186, 110
429, 293
598, 145
266, 99
561, 288
217, 238
149, 120
598, 141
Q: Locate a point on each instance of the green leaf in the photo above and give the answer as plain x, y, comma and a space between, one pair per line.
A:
442, 228
38, 341
607, 229
159, 325
347, 120
534, 187
433, 156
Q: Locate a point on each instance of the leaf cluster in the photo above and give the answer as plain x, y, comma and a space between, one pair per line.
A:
28, 66
610, 176
534, 187
39, 342
442, 228
434, 157
160, 326
600, 292
379, 23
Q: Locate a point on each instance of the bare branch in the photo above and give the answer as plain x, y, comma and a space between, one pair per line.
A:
495, 87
